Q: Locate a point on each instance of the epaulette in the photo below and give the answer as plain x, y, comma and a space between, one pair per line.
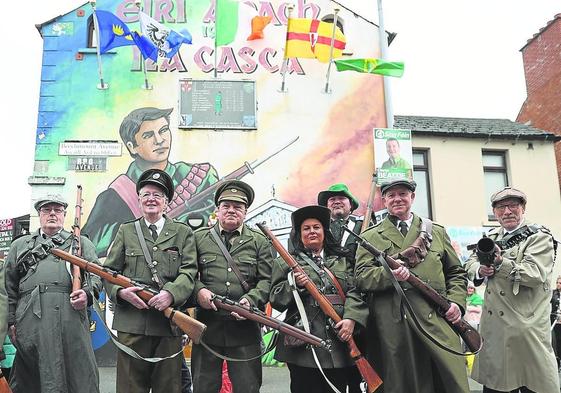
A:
255, 231
201, 229
131, 221
370, 228
175, 221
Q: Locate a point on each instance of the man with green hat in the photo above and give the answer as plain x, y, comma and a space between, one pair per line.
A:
159, 252
234, 261
47, 321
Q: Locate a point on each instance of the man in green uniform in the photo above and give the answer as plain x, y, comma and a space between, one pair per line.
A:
517, 355
47, 321
170, 268
147, 136
246, 280
405, 358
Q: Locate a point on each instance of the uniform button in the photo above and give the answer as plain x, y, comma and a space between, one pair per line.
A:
229, 269
155, 263
488, 291
501, 313
512, 254
241, 241
167, 233
56, 307
490, 312
502, 293
132, 254
155, 248
430, 315
227, 283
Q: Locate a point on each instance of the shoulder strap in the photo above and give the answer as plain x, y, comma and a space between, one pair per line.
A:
332, 278
155, 276
229, 259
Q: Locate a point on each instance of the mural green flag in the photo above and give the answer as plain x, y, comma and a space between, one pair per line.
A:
371, 66
226, 21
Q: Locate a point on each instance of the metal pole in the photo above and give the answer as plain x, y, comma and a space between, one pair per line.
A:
102, 85
384, 49
283, 88
146, 86
335, 16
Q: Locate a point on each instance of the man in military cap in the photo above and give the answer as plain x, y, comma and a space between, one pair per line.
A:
47, 321
169, 267
245, 278
405, 358
517, 354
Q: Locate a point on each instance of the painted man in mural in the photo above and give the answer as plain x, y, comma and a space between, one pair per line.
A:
394, 156
147, 136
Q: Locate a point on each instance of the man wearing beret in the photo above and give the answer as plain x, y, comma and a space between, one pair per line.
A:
406, 360
246, 281
169, 267
47, 321
517, 355
146, 134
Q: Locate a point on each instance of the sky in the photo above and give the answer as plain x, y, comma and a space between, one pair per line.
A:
462, 59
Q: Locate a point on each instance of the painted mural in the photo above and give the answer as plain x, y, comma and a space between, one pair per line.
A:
129, 128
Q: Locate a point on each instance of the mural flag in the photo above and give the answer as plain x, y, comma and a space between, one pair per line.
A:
238, 21
311, 38
166, 40
371, 66
113, 32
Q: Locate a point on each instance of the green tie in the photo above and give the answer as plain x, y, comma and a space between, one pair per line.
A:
153, 231
336, 229
403, 228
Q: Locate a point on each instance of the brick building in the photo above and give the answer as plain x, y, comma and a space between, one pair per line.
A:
542, 69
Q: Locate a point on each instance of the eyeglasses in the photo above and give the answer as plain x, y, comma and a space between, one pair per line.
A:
155, 195
511, 207
47, 210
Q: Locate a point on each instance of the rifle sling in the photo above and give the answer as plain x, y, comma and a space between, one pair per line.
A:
332, 280
229, 259
155, 276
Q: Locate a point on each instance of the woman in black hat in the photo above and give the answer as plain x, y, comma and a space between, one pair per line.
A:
323, 261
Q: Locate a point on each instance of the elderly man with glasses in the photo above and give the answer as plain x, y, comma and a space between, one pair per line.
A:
517, 355
47, 321
170, 268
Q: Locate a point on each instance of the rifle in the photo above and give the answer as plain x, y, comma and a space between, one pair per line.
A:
369, 205
76, 242
254, 314
470, 336
190, 326
237, 174
4, 387
372, 379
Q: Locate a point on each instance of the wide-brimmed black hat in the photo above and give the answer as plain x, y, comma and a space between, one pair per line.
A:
234, 190
337, 189
158, 178
410, 184
320, 213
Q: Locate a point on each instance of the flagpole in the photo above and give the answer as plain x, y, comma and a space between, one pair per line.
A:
283, 88
335, 12
384, 49
102, 85
146, 86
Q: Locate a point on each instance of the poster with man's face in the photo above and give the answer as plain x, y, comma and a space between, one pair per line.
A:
393, 154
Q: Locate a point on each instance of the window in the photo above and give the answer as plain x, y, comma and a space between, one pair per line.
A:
422, 204
92, 36
495, 176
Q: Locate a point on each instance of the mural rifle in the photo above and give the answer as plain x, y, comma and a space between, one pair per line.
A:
76, 242
254, 314
470, 336
372, 379
190, 326
239, 173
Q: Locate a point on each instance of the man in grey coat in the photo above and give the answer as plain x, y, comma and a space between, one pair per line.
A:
47, 321
517, 355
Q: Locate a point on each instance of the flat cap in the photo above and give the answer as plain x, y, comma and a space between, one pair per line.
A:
410, 184
50, 198
337, 189
158, 178
320, 213
234, 190
508, 192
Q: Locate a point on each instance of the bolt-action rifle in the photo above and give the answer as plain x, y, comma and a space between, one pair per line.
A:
76, 242
372, 379
190, 326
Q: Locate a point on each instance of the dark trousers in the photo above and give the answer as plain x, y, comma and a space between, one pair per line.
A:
246, 377
556, 342
310, 380
138, 376
523, 389
186, 382
354, 379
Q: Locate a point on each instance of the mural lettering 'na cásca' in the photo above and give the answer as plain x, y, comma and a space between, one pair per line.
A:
334, 129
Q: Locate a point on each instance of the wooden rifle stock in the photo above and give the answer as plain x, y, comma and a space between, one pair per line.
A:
256, 315
470, 336
370, 376
76, 241
4, 387
190, 326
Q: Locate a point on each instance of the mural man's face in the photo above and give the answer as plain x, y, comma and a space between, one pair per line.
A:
153, 141
392, 148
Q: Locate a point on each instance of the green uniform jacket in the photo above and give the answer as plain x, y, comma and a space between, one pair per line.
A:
354, 308
175, 258
400, 163
252, 253
401, 354
54, 350
515, 323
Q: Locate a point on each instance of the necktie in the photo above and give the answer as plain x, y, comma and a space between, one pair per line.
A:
227, 237
403, 228
153, 231
337, 230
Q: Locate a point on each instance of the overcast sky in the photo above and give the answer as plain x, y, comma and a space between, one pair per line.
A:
461, 59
